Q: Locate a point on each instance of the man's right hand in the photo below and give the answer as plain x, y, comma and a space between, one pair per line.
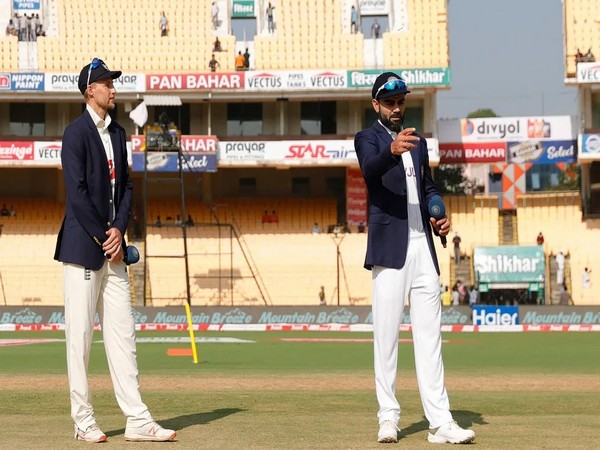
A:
405, 141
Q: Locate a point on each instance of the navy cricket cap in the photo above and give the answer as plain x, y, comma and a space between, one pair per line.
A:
388, 84
94, 71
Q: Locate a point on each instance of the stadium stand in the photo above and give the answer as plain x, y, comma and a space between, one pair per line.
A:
291, 261
581, 20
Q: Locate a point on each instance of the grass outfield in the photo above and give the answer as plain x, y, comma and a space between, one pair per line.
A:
312, 390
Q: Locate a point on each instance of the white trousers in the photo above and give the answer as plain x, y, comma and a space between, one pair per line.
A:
418, 282
108, 290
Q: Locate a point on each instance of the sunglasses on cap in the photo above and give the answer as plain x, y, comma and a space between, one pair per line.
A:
392, 85
96, 62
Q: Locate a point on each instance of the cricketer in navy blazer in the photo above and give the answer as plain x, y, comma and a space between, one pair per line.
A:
88, 210
384, 175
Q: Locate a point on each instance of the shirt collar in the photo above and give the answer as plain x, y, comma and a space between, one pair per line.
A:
101, 124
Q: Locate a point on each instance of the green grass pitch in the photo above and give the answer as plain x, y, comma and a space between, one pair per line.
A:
309, 390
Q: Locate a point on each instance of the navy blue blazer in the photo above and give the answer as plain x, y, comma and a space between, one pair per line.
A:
385, 178
88, 209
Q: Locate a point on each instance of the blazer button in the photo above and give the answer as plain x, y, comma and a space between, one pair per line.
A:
108, 223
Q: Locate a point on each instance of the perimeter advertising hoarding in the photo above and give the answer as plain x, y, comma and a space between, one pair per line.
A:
509, 264
305, 152
243, 315
195, 81
495, 315
350, 315
67, 82
588, 72
427, 77
27, 81
292, 80
505, 129
199, 154
542, 152
589, 147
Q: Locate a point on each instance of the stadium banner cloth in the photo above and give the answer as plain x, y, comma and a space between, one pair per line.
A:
309, 318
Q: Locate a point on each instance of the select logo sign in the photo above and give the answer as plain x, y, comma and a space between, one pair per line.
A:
495, 315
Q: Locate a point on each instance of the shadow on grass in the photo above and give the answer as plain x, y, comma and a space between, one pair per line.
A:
465, 418
188, 420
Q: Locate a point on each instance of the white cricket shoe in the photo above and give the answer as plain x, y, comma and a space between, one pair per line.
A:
151, 432
388, 432
93, 433
451, 433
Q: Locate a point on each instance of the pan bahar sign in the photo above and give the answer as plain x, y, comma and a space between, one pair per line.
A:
507, 264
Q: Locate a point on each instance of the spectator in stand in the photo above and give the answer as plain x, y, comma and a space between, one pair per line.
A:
4, 211
361, 227
11, 29
322, 301
215, 15
353, 20
456, 241
213, 64
40, 26
270, 18
274, 217
33, 27
217, 45
178, 221
455, 296
163, 24
446, 297
565, 298
266, 217
375, 29
239, 61
540, 239
158, 222
316, 229
12, 212
190, 221
247, 60
586, 282
560, 268
23, 28
473, 296
462, 292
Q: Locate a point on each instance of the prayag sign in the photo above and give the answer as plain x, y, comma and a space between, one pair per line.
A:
508, 264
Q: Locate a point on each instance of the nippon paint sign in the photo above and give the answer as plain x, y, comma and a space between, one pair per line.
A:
505, 129
509, 264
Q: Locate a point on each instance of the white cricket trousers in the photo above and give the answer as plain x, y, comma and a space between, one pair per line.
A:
108, 290
418, 282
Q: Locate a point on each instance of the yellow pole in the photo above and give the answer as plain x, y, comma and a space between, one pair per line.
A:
188, 312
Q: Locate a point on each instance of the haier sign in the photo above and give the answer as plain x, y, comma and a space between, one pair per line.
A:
495, 315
